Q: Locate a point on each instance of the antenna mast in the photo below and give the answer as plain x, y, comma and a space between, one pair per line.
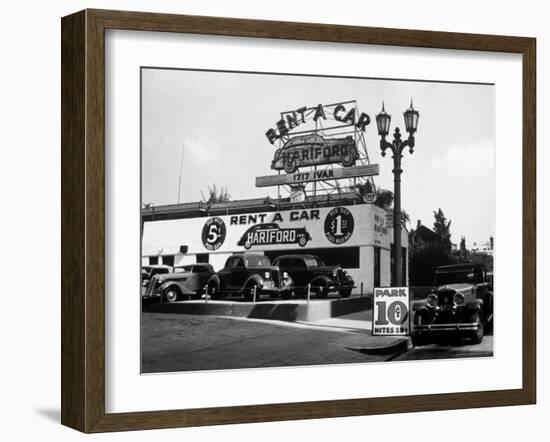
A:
181, 171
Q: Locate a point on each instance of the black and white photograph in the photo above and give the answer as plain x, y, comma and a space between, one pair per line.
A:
302, 220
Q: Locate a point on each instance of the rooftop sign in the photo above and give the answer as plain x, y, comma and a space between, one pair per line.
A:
337, 111
317, 175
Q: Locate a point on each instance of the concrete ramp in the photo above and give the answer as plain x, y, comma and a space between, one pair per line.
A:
291, 310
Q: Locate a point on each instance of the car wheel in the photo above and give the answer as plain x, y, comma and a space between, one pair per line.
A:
477, 336
348, 159
248, 293
171, 295
418, 339
323, 292
290, 166
345, 293
213, 290
286, 294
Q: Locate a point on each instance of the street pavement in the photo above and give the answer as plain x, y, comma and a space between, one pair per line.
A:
183, 342
460, 350
177, 342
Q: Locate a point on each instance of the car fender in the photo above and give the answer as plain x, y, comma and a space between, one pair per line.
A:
424, 310
472, 308
321, 280
214, 279
418, 304
256, 279
474, 305
172, 284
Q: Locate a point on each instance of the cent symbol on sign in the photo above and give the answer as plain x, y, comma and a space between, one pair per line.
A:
391, 311
213, 233
339, 225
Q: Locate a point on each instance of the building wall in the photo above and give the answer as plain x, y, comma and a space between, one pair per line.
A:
167, 237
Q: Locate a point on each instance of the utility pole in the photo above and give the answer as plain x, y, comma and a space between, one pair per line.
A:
181, 171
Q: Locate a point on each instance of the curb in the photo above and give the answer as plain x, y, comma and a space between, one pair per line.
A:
399, 346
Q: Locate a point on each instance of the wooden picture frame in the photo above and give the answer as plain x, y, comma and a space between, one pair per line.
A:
83, 220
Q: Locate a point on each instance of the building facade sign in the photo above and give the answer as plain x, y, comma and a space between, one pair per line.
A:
213, 234
305, 228
273, 234
339, 225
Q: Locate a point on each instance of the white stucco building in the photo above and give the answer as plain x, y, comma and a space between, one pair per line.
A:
355, 236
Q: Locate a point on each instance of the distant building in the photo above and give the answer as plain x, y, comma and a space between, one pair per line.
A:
485, 247
422, 236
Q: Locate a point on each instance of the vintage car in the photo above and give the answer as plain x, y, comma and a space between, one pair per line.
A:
247, 274
460, 306
313, 149
269, 234
187, 281
148, 271
310, 269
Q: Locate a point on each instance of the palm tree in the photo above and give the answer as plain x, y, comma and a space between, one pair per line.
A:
215, 195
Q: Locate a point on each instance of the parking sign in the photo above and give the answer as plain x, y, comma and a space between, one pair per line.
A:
391, 311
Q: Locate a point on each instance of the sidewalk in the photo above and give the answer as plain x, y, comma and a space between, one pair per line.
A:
360, 323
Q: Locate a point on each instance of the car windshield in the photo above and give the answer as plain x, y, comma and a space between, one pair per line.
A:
257, 261
183, 269
314, 262
160, 270
456, 277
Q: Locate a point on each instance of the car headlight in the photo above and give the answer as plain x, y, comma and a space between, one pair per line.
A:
287, 280
267, 275
458, 299
431, 300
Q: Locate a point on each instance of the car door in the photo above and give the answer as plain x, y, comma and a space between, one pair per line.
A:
238, 273
299, 272
203, 275
225, 274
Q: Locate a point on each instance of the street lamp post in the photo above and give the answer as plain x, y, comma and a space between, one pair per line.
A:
397, 146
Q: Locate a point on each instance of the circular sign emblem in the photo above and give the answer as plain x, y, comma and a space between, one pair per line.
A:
339, 225
213, 233
369, 198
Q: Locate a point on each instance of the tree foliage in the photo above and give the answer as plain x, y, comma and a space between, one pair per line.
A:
384, 197
424, 261
443, 228
215, 195
426, 256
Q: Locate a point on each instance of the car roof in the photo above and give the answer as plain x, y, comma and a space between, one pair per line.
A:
298, 255
458, 267
157, 266
202, 264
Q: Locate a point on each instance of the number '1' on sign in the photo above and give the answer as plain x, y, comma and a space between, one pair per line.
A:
391, 311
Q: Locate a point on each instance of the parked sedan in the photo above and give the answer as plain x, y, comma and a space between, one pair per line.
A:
148, 271
461, 305
250, 275
322, 279
184, 282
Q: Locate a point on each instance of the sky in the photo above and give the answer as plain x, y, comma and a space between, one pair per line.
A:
219, 119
